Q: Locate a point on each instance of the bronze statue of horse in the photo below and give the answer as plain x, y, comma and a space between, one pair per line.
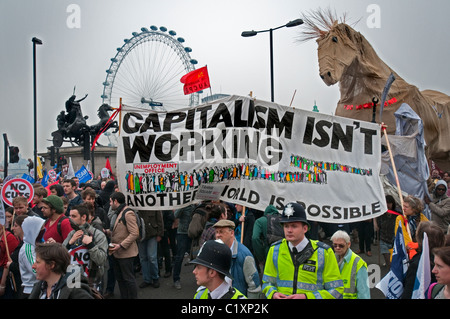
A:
104, 117
345, 56
72, 125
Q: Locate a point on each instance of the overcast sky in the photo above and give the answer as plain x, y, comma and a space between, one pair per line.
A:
411, 36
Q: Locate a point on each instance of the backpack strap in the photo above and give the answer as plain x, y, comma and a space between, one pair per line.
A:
430, 290
140, 223
436, 289
58, 226
122, 219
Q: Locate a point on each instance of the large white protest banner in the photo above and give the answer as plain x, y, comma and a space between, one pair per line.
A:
255, 153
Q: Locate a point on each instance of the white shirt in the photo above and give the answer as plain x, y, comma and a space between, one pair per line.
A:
300, 246
220, 291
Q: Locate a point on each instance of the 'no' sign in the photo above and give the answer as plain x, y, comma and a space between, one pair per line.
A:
17, 187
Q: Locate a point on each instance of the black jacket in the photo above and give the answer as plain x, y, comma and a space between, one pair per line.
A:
62, 291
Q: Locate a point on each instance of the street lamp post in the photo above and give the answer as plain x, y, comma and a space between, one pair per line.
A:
35, 42
252, 33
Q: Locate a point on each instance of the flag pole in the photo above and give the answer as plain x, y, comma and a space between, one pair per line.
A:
210, 90
383, 126
120, 114
293, 98
242, 225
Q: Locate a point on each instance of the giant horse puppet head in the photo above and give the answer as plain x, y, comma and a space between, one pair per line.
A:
347, 58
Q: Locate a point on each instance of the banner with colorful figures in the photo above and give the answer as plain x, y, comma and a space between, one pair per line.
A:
254, 153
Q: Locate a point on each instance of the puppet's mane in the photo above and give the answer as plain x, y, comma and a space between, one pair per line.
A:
318, 23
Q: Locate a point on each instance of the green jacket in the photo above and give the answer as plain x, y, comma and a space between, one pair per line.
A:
259, 236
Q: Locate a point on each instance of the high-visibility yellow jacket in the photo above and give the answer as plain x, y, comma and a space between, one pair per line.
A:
349, 272
232, 294
318, 277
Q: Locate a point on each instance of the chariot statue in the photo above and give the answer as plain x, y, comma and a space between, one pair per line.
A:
72, 126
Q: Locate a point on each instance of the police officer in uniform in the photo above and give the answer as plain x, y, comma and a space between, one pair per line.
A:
299, 268
212, 265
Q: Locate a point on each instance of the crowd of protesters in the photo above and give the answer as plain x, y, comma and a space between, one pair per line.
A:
90, 226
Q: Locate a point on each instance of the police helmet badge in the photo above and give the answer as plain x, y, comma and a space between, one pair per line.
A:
288, 210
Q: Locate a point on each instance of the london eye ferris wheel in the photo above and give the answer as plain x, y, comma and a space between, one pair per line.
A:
147, 69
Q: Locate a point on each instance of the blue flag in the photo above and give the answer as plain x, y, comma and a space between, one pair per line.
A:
44, 181
83, 174
28, 178
392, 284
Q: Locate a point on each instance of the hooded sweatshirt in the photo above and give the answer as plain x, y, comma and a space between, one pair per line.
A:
31, 228
259, 237
440, 207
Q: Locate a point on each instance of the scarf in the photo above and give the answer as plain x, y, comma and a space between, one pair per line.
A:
412, 223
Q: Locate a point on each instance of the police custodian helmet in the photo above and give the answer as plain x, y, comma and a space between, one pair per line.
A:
216, 255
294, 212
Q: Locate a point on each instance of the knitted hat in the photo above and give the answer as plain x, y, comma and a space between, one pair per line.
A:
55, 202
441, 182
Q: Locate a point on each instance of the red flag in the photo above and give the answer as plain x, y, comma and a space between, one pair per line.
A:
108, 166
195, 81
48, 186
108, 123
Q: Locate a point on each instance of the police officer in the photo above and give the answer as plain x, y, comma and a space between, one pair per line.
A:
212, 265
299, 268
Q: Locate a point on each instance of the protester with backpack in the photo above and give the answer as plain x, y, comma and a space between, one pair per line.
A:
216, 213
183, 215
266, 230
441, 269
436, 238
57, 225
148, 247
123, 246
197, 225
